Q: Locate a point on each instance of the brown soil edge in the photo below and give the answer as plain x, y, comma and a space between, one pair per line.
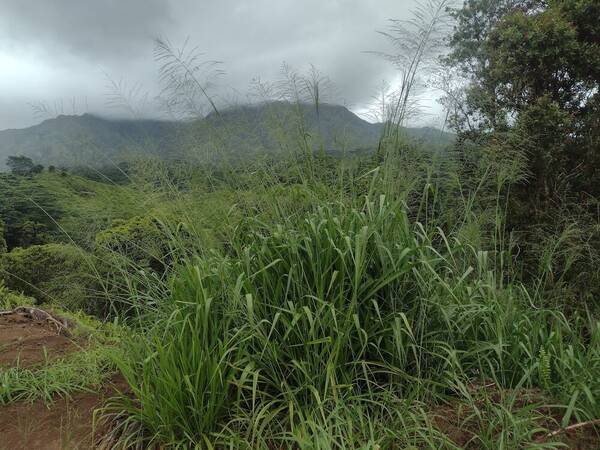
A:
66, 424
29, 338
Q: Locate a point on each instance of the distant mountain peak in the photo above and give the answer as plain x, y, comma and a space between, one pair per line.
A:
239, 130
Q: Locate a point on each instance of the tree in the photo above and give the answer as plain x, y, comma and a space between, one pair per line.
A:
38, 168
28, 210
50, 273
20, 165
3, 246
533, 72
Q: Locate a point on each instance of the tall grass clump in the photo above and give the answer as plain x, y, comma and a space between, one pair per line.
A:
181, 372
337, 305
317, 293
342, 309
299, 324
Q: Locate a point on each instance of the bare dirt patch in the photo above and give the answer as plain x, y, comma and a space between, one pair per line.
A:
66, 424
26, 342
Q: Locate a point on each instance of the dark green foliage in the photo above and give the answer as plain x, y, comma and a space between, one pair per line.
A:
141, 240
22, 165
532, 103
10, 299
54, 273
534, 71
29, 211
3, 246
19, 165
546, 68
474, 22
112, 173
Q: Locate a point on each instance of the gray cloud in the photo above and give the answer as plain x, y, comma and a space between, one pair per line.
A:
58, 51
99, 31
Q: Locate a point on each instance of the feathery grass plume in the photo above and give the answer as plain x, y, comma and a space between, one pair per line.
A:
417, 43
187, 78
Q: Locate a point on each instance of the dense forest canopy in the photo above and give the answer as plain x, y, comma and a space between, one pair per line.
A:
533, 73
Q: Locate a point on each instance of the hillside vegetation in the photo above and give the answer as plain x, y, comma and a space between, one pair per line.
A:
377, 294
238, 133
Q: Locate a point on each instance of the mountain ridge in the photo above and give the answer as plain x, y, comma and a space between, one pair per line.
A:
244, 130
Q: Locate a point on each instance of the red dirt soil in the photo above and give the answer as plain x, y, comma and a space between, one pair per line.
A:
67, 423
25, 342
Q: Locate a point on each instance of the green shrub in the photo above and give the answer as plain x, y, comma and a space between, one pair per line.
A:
53, 273
140, 239
29, 210
10, 299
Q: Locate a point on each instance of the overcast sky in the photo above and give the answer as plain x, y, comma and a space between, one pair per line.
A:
59, 52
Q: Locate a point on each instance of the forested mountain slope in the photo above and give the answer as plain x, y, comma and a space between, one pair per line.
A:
239, 131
